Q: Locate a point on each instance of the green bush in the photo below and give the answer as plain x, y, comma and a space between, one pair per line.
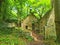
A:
11, 41
21, 33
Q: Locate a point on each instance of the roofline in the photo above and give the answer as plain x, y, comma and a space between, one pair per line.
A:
47, 13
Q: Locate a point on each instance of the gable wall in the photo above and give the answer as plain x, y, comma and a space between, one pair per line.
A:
28, 22
47, 25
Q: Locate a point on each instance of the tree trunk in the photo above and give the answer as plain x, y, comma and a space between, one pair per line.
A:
57, 18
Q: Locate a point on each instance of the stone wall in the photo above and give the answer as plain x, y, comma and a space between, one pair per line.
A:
27, 22
47, 25
43, 22
50, 32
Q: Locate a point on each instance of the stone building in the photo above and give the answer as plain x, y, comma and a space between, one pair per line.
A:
30, 22
50, 31
47, 25
43, 21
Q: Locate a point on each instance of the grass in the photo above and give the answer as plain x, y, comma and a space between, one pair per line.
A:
11, 36
11, 40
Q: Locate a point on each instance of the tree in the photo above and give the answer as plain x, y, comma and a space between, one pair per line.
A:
19, 7
57, 18
2, 9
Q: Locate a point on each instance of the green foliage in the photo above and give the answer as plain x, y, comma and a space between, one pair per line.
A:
8, 40
21, 8
12, 36
17, 10
21, 33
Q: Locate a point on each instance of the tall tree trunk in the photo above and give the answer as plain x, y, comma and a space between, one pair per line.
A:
1, 12
57, 18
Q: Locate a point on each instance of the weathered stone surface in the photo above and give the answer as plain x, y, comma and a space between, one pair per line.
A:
28, 22
47, 25
50, 31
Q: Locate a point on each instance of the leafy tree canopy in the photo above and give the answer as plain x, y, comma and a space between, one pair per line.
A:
21, 8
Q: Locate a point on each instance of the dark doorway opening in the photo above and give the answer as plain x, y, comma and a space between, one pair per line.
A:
26, 27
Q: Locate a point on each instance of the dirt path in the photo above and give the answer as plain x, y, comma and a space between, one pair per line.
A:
38, 40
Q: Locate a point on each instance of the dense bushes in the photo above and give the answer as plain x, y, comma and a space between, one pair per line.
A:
21, 33
11, 40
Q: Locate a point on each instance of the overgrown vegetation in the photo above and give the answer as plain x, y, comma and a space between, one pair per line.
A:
12, 36
14, 11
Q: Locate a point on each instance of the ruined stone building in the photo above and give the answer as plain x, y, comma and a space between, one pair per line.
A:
30, 22
46, 24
